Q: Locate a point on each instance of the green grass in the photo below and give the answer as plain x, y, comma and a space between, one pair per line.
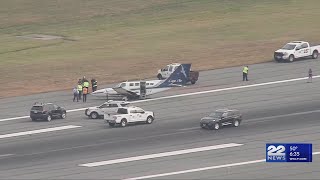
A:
115, 40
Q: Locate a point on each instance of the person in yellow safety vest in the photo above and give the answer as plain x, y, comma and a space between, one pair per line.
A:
86, 85
79, 87
245, 73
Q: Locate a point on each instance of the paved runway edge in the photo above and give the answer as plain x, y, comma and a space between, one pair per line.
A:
203, 169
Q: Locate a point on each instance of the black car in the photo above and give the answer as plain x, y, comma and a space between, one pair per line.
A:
221, 117
47, 111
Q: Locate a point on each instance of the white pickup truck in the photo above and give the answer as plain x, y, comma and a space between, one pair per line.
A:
109, 107
129, 114
170, 68
296, 49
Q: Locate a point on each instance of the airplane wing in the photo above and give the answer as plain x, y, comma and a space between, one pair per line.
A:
125, 92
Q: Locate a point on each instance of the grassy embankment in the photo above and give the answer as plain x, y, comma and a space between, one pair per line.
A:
117, 40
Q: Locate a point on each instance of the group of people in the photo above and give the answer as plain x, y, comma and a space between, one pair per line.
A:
245, 72
82, 89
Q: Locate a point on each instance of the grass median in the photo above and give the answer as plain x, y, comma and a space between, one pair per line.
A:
118, 40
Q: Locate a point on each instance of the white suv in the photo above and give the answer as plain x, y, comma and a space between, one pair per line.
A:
109, 107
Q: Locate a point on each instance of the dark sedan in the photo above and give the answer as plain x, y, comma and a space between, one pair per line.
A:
221, 117
47, 111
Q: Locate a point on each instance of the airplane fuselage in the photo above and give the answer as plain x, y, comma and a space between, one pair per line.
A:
134, 86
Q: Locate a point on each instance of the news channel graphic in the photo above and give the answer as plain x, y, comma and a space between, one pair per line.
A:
288, 152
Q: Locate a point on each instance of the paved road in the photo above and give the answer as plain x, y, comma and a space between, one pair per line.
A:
286, 112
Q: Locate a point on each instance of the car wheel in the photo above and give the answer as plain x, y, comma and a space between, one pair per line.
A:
236, 123
94, 115
149, 120
291, 58
112, 124
203, 126
125, 98
159, 76
63, 115
49, 118
216, 126
123, 123
193, 81
315, 54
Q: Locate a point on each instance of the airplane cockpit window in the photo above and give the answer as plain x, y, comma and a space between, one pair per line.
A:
123, 85
170, 68
176, 67
166, 68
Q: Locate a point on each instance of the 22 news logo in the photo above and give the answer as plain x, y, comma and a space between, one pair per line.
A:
276, 153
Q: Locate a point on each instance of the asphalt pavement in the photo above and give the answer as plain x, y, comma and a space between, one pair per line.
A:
282, 112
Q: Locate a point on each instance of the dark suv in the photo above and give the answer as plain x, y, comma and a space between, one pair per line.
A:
47, 111
221, 117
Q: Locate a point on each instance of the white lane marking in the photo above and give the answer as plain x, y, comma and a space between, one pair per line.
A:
24, 117
202, 169
14, 118
75, 110
284, 115
190, 94
227, 89
38, 131
5, 155
158, 155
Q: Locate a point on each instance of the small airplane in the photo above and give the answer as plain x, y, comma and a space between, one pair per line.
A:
132, 89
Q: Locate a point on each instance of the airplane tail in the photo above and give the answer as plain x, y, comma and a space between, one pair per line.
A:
178, 78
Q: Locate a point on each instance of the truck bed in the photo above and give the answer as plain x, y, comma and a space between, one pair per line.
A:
313, 45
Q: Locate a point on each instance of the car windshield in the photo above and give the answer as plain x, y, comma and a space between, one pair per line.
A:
216, 114
289, 47
37, 108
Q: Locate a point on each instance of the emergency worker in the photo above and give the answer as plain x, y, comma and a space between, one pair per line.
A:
85, 92
79, 87
245, 73
86, 85
94, 84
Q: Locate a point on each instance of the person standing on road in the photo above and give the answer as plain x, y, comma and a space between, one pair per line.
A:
85, 92
245, 73
86, 84
94, 84
310, 75
79, 87
75, 94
